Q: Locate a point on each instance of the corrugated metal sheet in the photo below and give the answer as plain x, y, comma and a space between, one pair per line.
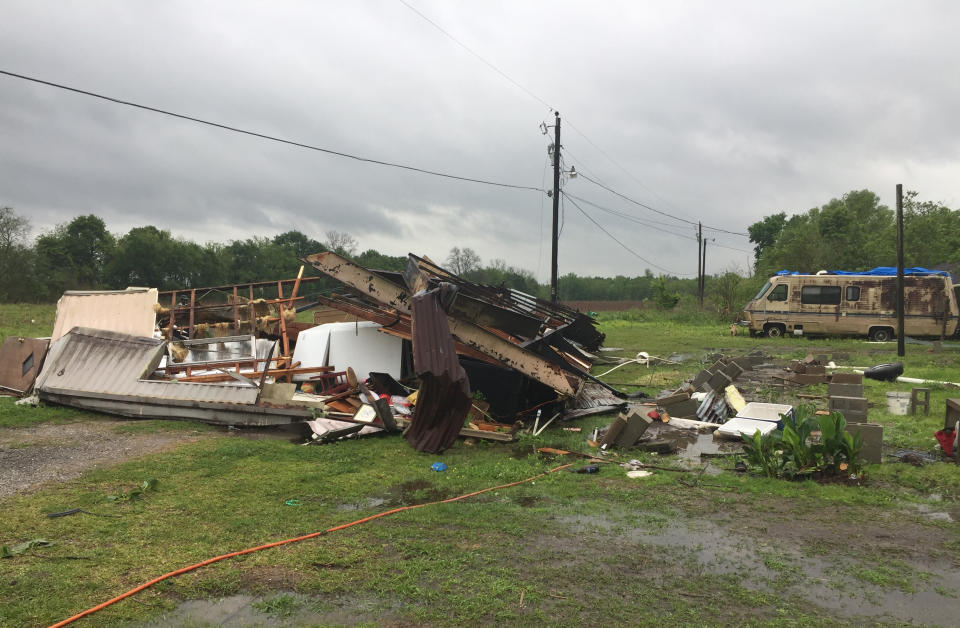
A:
93, 362
444, 397
127, 311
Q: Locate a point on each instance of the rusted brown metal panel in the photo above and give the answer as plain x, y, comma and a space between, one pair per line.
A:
368, 283
393, 323
474, 336
444, 396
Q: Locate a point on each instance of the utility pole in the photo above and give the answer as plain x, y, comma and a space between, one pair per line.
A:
901, 351
703, 271
699, 274
554, 292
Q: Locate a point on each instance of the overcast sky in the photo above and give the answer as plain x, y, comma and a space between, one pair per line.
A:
723, 112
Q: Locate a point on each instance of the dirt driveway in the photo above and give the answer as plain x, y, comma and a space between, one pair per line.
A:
48, 452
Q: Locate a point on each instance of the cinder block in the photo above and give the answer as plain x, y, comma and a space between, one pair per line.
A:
614, 430
816, 369
702, 378
847, 378
718, 365
669, 400
719, 381
744, 363
841, 403
853, 409
845, 390
854, 416
952, 414
872, 435
637, 424
683, 410
732, 370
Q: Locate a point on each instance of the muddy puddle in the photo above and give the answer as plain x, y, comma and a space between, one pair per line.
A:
403, 494
828, 582
277, 609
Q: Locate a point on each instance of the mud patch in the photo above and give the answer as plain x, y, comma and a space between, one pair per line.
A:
258, 578
279, 609
851, 573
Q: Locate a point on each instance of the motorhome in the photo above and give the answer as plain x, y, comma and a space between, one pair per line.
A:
854, 304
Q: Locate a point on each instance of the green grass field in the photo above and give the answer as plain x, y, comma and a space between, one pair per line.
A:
566, 549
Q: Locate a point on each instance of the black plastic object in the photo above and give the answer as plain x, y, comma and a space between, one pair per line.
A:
885, 372
590, 468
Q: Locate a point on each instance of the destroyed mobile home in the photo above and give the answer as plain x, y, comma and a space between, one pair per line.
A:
426, 349
423, 352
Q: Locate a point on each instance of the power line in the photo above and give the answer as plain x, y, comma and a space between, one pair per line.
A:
629, 217
528, 92
732, 248
614, 161
614, 238
477, 55
644, 205
655, 210
269, 137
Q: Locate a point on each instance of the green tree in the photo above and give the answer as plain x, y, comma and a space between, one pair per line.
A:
931, 232
853, 232
299, 243
16, 258
663, 297
74, 256
766, 232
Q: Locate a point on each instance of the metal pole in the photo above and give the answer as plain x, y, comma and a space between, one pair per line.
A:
554, 292
901, 350
699, 274
703, 271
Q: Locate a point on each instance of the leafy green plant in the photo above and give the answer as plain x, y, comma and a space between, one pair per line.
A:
838, 449
796, 451
761, 454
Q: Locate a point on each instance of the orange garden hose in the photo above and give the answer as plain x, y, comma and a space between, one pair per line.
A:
250, 550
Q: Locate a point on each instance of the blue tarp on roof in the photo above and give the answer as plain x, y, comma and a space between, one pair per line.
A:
879, 271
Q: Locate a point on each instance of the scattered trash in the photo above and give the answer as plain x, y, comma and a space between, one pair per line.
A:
590, 468
149, 484
885, 372
914, 457
293, 502
10, 552
438, 466
639, 474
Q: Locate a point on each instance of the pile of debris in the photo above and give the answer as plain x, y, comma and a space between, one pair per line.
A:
426, 352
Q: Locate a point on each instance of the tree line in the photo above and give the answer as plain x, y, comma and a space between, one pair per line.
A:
857, 232
83, 254
853, 232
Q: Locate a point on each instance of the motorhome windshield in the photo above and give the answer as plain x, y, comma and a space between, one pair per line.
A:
763, 291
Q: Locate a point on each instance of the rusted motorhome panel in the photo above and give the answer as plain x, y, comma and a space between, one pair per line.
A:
849, 304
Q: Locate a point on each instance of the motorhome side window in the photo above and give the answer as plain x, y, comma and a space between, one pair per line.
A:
853, 293
778, 294
820, 295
